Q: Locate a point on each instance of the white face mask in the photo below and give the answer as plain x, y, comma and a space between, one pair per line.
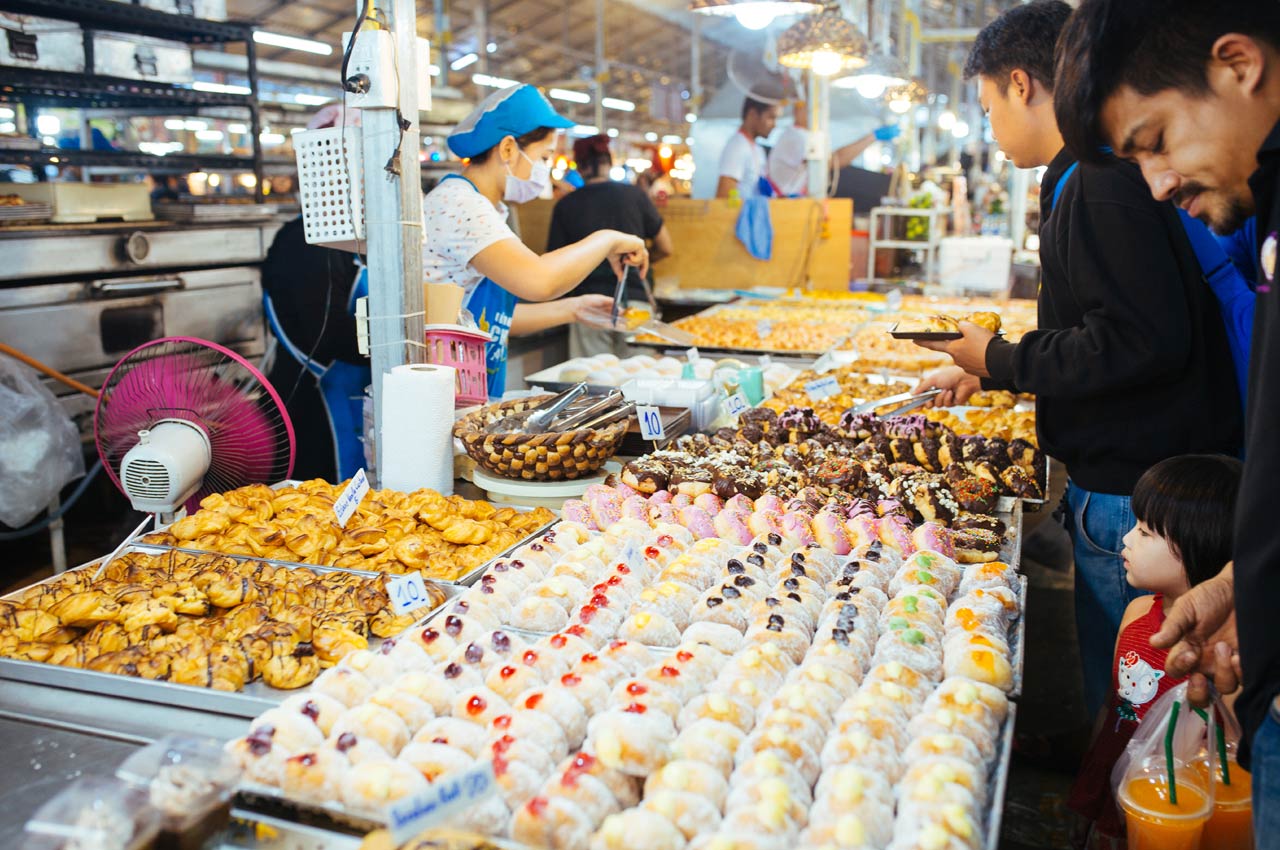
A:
519, 191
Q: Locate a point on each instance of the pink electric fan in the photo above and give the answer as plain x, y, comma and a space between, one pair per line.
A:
180, 418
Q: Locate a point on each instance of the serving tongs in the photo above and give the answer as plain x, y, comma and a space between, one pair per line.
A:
538, 420
911, 401
653, 324
588, 416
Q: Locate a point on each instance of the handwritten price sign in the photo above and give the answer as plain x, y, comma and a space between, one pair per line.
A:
351, 497
407, 592
650, 423
448, 795
735, 404
822, 388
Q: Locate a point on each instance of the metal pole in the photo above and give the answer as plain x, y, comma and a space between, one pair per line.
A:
482, 42
601, 69
695, 64
393, 212
819, 153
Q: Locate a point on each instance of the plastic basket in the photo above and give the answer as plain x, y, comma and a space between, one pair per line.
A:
331, 186
463, 350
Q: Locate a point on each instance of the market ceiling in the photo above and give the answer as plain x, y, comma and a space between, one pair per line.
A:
551, 43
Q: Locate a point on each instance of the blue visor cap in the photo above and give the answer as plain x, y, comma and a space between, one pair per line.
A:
513, 111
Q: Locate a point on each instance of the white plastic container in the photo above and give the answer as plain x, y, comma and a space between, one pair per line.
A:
700, 397
137, 57
331, 186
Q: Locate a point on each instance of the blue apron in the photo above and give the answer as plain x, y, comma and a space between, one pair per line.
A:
492, 307
341, 388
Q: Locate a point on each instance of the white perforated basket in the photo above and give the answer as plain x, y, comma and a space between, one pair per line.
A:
331, 186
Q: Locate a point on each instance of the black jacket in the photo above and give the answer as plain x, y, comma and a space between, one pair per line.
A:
1130, 363
603, 206
1257, 546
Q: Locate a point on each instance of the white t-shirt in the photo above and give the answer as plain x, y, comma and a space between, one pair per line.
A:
744, 161
458, 223
788, 168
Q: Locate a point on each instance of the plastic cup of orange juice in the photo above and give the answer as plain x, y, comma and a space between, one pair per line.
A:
1154, 822
1230, 826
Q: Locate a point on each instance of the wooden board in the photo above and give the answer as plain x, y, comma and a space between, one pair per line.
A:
708, 254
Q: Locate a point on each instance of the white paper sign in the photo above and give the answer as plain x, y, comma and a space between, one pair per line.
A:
351, 498
764, 327
735, 404
692, 355
407, 592
825, 363
449, 794
822, 388
650, 423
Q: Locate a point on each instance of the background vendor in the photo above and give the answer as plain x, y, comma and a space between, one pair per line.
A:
743, 163
603, 203
507, 142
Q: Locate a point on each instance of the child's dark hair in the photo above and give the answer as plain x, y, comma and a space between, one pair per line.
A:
1190, 501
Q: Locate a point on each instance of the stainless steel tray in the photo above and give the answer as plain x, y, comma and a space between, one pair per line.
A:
252, 700
999, 780
468, 579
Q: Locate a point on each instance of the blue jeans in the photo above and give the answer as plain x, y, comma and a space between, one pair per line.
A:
1098, 524
1265, 754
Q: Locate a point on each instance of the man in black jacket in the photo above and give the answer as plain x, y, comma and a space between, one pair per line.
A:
1130, 363
1190, 90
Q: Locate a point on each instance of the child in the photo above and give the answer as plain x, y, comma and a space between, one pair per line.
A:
1184, 509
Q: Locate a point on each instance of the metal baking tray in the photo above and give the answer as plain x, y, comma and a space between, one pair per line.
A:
255, 698
469, 578
1018, 640
999, 780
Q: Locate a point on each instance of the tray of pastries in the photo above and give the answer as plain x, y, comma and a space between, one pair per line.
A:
856, 387
806, 696
165, 625
447, 538
940, 327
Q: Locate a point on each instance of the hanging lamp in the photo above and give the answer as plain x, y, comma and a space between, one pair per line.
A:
755, 14
825, 44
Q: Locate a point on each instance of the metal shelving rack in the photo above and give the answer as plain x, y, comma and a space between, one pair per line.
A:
41, 89
930, 246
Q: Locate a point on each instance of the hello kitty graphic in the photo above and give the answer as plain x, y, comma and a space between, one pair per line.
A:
1138, 683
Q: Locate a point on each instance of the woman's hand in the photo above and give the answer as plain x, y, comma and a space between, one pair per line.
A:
627, 250
593, 310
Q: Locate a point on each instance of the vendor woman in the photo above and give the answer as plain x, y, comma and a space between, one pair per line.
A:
508, 141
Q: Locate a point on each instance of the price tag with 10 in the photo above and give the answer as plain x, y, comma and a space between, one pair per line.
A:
735, 404
650, 423
407, 592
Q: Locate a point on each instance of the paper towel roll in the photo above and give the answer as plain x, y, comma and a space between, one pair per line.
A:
417, 428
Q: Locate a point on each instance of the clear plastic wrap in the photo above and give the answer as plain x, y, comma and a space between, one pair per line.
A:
39, 445
93, 813
189, 781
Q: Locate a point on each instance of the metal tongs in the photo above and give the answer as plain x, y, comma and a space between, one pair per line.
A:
653, 324
537, 420
590, 415
912, 402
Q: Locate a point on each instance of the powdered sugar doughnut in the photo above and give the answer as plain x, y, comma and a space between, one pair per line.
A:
292, 731
320, 709
632, 741
532, 726
552, 822
371, 785
510, 680
711, 742
479, 705
540, 614
651, 628
344, 685
645, 692
560, 706
435, 760
454, 732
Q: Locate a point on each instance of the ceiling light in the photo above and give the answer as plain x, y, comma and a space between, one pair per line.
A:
311, 99
689, 141
880, 73
570, 95
946, 120
690, 117
209, 135
6, 113
755, 14
651, 137
48, 125
825, 44
175, 124
195, 126
664, 152
902, 98
290, 42
900, 107
220, 88
618, 103
673, 140
433, 70
492, 82
272, 138
238, 129
618, 173
463, 61
491, 47
612, 132
585, 130
960, 130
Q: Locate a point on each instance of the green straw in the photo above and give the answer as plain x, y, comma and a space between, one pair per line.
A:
1222, 757
1168, 751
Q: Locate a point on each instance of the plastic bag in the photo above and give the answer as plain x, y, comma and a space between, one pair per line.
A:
1162, 780
39, 445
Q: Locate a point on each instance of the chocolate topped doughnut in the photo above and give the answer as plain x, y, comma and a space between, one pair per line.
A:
974, 494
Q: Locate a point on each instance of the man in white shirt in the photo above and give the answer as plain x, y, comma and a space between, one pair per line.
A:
788, 166
743, 162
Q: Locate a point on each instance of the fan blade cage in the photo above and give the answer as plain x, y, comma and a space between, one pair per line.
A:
251, 439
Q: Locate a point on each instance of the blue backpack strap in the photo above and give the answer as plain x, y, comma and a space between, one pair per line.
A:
1061, 184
